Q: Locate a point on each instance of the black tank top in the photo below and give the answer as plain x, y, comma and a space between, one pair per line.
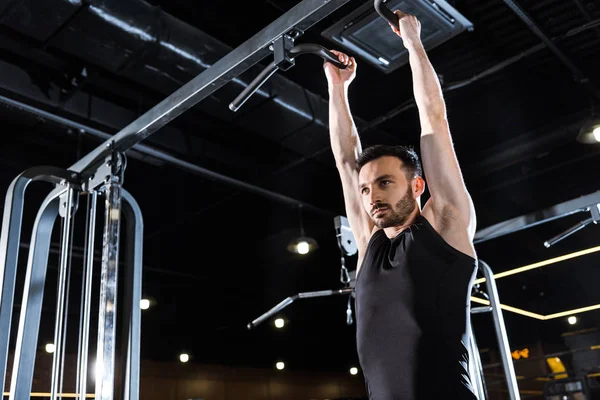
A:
412, 315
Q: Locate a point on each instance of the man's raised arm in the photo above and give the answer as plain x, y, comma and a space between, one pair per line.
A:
442, 172
345, 144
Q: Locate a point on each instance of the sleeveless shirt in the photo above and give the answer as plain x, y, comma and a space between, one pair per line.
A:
412, 315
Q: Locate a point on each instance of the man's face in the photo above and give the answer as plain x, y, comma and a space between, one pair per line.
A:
386, 193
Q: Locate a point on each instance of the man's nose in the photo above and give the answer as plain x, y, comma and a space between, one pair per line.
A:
374, 199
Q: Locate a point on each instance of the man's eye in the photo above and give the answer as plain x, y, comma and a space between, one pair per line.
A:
385, 183
364, 191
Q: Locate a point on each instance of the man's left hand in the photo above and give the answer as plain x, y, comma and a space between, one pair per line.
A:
409, 29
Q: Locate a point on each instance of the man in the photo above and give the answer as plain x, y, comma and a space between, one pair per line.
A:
415, 266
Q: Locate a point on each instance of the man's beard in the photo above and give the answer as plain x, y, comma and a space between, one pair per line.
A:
399, 214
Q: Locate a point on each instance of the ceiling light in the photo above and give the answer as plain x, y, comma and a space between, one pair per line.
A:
590, 131
144, 304
184, 357
50, 348
302, 244
353, 371
572, 320
279, 323
280, 365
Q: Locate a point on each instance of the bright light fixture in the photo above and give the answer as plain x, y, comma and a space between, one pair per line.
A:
596, 134
353, 371
144, 304
184, 357
50, 348
590, 131
572, 320
302, 244
302, 247
279, 323
280, 365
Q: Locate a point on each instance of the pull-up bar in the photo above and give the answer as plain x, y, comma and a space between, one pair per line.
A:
297, 20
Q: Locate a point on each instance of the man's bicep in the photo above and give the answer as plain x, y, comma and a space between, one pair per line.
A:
442, 172
360, 224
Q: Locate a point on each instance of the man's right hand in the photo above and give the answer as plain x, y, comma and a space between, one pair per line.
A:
337, 75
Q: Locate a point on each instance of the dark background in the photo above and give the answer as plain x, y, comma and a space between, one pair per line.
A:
215, 253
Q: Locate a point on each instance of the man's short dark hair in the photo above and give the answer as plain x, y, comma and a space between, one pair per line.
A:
406, 154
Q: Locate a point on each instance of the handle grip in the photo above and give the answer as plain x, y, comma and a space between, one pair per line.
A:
312, 48
385, 12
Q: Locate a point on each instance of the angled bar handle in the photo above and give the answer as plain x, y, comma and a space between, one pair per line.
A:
385, 12
267, 72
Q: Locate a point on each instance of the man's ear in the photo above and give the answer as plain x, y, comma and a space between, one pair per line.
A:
418, 186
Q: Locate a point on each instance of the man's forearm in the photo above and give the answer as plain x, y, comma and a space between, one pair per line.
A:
345, 142
427, 90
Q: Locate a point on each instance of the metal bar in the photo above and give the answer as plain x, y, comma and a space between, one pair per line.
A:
480, 310
322, 293
300, 18
587, 15
503, 345
73, 209
580, 204
107, 319
289, 300
33, 293
133, 296
280, 306
249, 90
86, 298
576, 228
66, 205
9, 248
476, 367
168, 158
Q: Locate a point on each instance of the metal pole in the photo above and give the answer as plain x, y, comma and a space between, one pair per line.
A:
105, 359
59, 325
133, 296
10, 239
579, 204
86, 299
289, 300
33, 292
509, 370
476, 367
576, 228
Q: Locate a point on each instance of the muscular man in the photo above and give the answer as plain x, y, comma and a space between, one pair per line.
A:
415, 266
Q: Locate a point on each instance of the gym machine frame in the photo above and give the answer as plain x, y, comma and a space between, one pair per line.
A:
100, 173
